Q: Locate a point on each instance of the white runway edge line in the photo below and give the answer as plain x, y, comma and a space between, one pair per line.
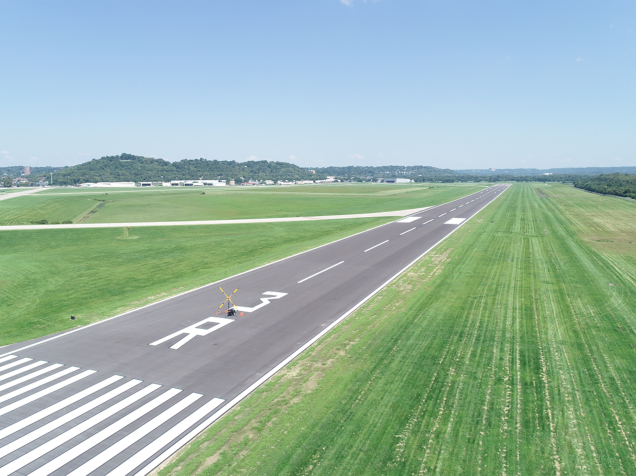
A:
320, 272
64, 334
385, 241
232, 403
405, 232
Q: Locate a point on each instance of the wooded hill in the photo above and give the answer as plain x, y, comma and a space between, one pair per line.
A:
134, 168
622, 185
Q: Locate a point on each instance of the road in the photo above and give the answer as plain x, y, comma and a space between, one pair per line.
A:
120, 396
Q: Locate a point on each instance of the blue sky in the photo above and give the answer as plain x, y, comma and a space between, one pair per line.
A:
456, 84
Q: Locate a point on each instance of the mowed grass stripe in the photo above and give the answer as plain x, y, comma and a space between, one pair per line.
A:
504, 351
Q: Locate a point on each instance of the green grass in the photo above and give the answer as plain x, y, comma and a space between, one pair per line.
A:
503, 351
48, 275
143, 205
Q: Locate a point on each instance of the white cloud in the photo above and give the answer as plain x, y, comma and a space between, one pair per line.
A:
346, 2
5, 152
578, 60
292, 157
252, 157
356, 156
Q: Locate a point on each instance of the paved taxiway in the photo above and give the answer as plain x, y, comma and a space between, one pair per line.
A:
120, 396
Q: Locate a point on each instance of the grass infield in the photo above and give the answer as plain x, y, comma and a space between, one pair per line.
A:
509, 349
199, 203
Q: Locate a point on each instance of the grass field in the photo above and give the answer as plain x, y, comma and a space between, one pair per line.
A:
509, 349
142, 205
48, 275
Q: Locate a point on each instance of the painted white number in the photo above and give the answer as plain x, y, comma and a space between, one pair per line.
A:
194, 330
265, 301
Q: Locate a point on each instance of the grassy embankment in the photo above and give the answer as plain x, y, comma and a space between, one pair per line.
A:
143, 205
509, 349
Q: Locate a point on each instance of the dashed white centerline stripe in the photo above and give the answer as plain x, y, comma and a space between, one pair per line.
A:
428, 221
460, 206
73, 432
376, 246
453, 209
441, 215
408, 231
319, 272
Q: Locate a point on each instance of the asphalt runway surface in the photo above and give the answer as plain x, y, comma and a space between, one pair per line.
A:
121, 396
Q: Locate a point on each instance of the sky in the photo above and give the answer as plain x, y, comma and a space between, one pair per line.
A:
451, 84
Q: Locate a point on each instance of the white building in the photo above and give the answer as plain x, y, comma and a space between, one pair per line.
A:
109, 184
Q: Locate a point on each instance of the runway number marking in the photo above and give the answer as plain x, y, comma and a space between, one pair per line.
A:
265, 301
194, 330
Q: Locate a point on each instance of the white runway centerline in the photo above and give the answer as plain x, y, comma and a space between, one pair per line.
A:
453, 209
428, 221
441, 215
386, 241
403, 233
319, 272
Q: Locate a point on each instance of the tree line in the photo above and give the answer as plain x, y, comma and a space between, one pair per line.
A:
622, 185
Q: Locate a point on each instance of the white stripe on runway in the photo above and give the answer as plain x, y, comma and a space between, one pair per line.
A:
14, 364
320, 272
460, 206
453, 209
53, 425
428, 221
386, 241
107, 432
407, 231
43, 393
441, 215
94, 463
36, 384
162, 441
22, 369
8, 357
30, 376
53, 408
73, 432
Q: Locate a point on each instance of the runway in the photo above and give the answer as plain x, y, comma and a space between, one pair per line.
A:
120, 396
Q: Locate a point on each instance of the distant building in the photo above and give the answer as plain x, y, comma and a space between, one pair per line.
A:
232, 182
109, 184
548, 173
492, 170
269, 182
397, 180
27, 170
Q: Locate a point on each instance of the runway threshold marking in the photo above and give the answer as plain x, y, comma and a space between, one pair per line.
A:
320, 272
405, 232
386, 241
